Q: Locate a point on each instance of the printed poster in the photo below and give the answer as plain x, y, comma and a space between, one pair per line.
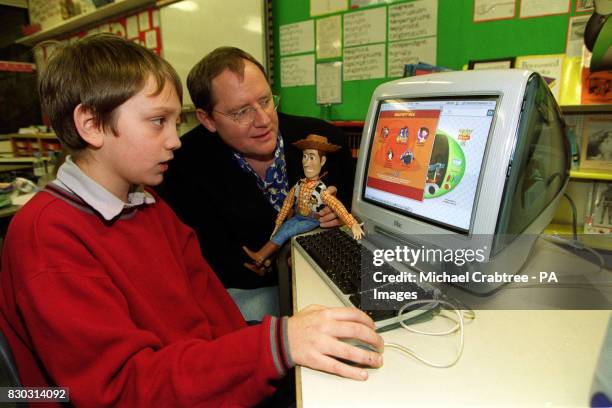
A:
549, 66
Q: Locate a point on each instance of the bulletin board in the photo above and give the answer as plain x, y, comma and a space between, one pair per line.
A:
459, 37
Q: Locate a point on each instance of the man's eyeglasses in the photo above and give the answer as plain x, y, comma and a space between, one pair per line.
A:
246, 116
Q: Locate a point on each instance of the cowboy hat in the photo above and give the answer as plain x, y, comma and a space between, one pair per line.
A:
316, 142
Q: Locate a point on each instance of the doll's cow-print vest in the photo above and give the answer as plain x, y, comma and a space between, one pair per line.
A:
315, 202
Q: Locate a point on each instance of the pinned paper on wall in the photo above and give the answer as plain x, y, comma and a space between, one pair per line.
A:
365, 27
585, 5
151, 39
538, 8
487, 10
321, 7
297, 37
410, 52
366, 62
131, 27
329, 42
155, 18
297, 70
329, 83
143, 21
495, 63
413, 20
364, 3
549, 66
575, 35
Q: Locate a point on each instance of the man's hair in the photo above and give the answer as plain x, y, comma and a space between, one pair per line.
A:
100, 72
199, 80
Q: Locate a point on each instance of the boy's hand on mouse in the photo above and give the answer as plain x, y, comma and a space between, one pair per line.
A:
314, 340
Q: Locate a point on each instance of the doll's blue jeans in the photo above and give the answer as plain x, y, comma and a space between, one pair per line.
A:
293, 226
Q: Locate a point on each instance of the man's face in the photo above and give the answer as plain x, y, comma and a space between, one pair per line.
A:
312, 163
232, 93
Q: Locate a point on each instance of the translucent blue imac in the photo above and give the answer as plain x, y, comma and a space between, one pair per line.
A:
472, 160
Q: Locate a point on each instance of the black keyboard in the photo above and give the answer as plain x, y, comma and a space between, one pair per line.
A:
343, 260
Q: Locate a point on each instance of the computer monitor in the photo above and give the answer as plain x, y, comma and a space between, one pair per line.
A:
470, 160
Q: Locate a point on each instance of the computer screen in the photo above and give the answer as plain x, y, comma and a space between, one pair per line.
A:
426, 156
472, 160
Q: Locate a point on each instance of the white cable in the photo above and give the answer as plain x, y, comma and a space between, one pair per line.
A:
467, 315
470, 315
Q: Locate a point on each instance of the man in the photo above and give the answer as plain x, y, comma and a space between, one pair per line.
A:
229, 180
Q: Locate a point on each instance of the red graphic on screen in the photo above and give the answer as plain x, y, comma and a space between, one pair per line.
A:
400, 158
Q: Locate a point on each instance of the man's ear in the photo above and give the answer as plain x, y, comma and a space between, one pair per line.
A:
87, 126
205, 119
323, 160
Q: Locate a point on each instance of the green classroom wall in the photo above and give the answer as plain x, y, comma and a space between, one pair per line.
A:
459, 40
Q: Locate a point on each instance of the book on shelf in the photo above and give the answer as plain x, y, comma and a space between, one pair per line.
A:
422, 68
596, 87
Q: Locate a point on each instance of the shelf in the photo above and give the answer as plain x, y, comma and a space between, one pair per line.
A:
348, 123
591, 175
598, 241
29, 159
9, 210
50, 136
586, 108
81, 21
15, 3
560, 229
27, 144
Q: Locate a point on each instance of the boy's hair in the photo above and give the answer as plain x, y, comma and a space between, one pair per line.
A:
199, 80
100, 72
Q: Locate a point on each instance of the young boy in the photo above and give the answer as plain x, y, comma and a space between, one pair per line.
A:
105, 291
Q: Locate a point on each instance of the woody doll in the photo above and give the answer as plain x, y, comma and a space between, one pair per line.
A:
309, 195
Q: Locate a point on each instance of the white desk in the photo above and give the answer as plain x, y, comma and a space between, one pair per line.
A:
539, 358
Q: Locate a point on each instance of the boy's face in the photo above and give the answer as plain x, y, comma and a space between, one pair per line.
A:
231, 93
146, 136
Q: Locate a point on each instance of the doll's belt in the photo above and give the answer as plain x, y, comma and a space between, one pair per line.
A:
309, 214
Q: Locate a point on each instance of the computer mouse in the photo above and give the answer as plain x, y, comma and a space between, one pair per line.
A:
361, 345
